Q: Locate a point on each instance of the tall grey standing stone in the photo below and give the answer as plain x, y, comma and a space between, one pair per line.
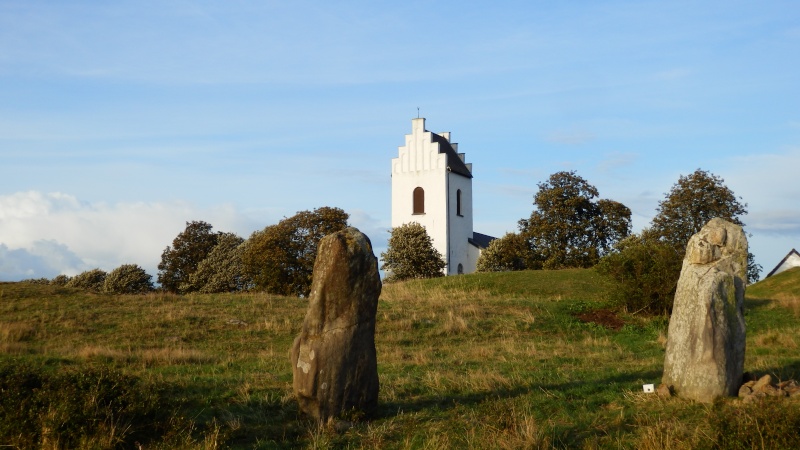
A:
705, 346
334, 363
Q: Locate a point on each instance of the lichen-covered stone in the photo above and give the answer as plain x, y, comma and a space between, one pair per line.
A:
706, 340
334, 363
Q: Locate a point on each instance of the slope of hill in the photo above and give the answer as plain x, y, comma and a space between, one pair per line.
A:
500, 360
783, 285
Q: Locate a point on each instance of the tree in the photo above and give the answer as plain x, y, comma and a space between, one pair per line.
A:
280, 258
510, 252
646, 267
128, 279
568, 228
189, 248
693, 201
222, 269
411, 254
91, 280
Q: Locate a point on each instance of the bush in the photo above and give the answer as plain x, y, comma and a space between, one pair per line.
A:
646, 272
60, 280
79, 408
36, 281
222, 270
128, 279
91, 280
411, 254
507, 253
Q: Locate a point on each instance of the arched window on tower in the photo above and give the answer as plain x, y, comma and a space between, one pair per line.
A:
419, 201
458, 202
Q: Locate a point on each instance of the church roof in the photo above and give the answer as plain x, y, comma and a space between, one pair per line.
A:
453, 160
788, 261
481, 240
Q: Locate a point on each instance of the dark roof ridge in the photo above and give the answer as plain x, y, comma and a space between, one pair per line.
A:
453, 160
793, 251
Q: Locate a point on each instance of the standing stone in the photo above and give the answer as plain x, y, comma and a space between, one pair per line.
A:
705, 345
333, 359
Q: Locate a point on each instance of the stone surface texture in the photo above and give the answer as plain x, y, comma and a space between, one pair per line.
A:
706, 340
333, 359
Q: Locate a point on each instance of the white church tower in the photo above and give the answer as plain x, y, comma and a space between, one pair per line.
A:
432, 185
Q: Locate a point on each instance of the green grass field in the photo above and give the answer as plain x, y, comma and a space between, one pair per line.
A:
498, 360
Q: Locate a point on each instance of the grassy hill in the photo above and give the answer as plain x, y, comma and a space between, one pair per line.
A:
785, 285
503, 360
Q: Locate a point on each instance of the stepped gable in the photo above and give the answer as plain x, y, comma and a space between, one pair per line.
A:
454, 161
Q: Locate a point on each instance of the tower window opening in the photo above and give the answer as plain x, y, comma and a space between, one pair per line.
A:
419, 201
458, 202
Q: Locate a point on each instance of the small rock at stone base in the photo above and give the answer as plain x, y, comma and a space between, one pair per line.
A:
745, 391
663, 391
762, 382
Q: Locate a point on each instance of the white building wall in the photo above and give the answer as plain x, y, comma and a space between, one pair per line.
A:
792, 261
419, 164
460, 226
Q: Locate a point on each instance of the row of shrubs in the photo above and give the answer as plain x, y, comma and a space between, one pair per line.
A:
125, 279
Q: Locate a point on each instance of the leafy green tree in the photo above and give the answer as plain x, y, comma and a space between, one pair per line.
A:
189, 248
693, 201
222, 269
507, 253
646, 267
280, 258
411, 254
128, 279
568, 227
90, 280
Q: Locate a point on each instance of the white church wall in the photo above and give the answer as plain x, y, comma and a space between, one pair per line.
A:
460, 225
419, 164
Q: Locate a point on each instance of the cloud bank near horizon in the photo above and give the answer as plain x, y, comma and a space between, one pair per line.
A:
47, 234
43, 235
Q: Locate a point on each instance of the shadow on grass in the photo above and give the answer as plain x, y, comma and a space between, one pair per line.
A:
575, 403
578, 390
756, 303
790, 371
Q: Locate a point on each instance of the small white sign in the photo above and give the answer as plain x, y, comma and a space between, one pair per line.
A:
649, 388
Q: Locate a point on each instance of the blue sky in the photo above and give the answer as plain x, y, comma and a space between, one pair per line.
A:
121, 121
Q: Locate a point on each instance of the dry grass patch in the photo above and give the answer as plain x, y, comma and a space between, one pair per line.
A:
102, 353
454, 324
172, 356
487, 380
785, 338
790, 302
17, 332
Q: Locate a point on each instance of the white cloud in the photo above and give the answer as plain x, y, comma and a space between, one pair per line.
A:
43, 259
42, 235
